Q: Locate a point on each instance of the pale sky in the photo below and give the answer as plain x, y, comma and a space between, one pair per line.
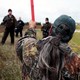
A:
43, 8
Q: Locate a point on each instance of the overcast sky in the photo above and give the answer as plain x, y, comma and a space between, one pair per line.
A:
43, 8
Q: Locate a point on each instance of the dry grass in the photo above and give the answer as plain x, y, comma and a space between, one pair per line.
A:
9, 63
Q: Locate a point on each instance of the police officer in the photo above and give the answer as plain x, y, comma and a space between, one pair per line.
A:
9, 21
45, 28
19, 27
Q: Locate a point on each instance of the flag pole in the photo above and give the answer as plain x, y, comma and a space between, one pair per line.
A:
32, 10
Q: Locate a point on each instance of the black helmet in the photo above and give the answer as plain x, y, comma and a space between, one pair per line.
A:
65, 26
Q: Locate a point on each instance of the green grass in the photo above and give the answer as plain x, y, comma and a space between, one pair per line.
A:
10, 66
9, 63
78, 27
75, 42
76, 38
39, 34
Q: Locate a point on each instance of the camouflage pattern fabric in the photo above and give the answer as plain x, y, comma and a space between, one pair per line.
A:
71, 69
27, 47
31, 33
31, 56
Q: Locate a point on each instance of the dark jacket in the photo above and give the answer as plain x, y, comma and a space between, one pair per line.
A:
20, 24
9, 22
46, 27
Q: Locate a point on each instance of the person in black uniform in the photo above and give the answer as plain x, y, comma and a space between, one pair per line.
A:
19, 27
9, 21
46, 28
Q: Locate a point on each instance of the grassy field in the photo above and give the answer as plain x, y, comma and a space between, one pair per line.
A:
78, 27
9, 63
10, 68
75, 43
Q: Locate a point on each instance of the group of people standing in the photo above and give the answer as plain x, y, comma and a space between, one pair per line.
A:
12, 25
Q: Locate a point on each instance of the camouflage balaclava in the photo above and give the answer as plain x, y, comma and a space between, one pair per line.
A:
65, 26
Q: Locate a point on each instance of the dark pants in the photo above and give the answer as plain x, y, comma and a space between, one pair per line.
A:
19, 31
6, 33
45, 34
